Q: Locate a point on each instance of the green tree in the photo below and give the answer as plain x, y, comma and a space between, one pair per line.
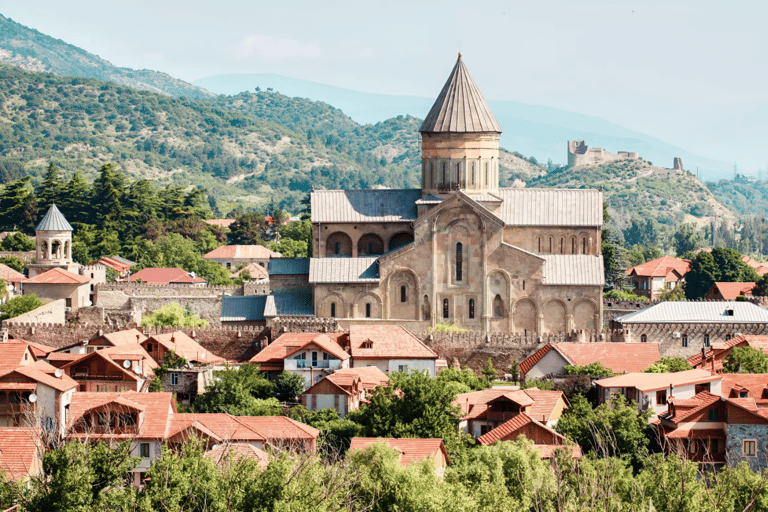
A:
172, 314
731, 267
702, 275
741, 360
289, 248
19, 305
249, 229
288, 386
107, 198
76, 201
466, 377
669, 365
236, 391
17, 242
51, 189
687, 238
15, 263
489, 372
18, 209
595, 369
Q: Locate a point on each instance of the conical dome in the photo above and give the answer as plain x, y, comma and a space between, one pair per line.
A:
53, 221
460, 108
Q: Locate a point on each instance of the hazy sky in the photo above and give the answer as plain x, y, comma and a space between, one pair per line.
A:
692, 73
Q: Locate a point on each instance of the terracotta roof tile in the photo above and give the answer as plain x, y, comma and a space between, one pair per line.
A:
42, 372
10, 275
241, 251
234, 452
696, 433
619, 357
730, 291
279, 428
58, 276
124, 337
653, 381
289, 343
20, 452
661, 267
184, 346
509, 427
155, 418
225, 426
684, 409
164, 276
547, 451
411, 450
386, 342
370, 376
12, 354
755, 385
721, 350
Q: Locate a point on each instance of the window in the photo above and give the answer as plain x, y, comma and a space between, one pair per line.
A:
445, 308
402, 368
149, 347
368, 310
713, 447
562, 246
706, 341
144, 450
713, 414
68, 303
729, 312
523, 285
333, 309
174, 379
583, 246
749, 447
550, 245
685, 340
661, 397
573, 246
471, 308
459, 261
643, 338
728, 337
337, 248
743, 394
49, 423
403, 294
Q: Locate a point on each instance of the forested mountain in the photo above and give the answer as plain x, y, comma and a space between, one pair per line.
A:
34, 51
744, 194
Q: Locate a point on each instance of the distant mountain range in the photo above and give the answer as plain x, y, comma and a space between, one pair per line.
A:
533, 130
29, 49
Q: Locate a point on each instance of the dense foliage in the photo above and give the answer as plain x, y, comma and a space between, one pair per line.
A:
746, 360
172, 314
18, 305
721, 265
669, 365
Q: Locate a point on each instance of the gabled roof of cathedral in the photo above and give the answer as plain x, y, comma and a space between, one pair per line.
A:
376, 205
551, 207
364, 269
460, 107
573, 269
53, 221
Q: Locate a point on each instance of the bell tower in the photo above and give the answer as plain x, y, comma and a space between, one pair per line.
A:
53, 244
460, 139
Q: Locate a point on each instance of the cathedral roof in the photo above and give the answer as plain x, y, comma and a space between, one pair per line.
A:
460, 107
53, 221
364, 269
573, 269
375, 205
551, 207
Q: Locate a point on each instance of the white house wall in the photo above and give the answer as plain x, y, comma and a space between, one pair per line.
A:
551, 364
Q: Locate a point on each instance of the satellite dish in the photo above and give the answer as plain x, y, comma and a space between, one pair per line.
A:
137, 369
32, 398
126, 364
58, 373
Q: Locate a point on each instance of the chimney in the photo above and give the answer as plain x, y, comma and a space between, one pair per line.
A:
671, 390
713, 365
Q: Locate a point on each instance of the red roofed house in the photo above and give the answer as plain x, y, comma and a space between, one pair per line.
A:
104, 340
112, 369
159, 345
119, 265
283, 432
545, 440
485, 410
13, 280
746, 385
730, 291
410, 450
344, 389
58, 283
230, 256
390, 348
760, 267
652, 278
174, 275
310, 355
21, 452
619, 357
712, 358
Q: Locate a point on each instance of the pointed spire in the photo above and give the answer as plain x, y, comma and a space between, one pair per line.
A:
460, 107
53, 221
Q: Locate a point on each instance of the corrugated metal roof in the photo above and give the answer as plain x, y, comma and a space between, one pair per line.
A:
53, 221
698, 313
551, 207
246, 308
460, 107
344, 270
295, 303
573, 269
430, 199
379, 205
288, 266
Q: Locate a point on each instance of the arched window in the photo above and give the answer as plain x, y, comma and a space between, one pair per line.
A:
337, 248
573, 246
486, 174
471, 308
550, 245
562, 245
584, 245
473, 173
445, 308
333, 309
403, 294
459, 261
444, 180
539, 244
498, 307
368, 310
523, 285
643, 338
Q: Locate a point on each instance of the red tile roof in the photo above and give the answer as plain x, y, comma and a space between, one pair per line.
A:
41, 372
12, 354
38, 349
661, 267
276, 352
10, 275
654, 381
164, 276
619, 357
547, 451
224, 426
255, 270
730, 291
58, 276
241, 252
234, 452
20, 452
370, 376
760, 267
184, 346
280, 428
386, 342
118, 266
124, 337
755, 384
411, 450
157, 408
508, 428
685, 408
721, 350
696, 433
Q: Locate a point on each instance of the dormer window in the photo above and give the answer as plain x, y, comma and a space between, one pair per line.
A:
367, 344
729, 312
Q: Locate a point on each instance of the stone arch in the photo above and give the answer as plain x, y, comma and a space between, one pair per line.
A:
426, 311
400, 239
44, 250
338, 244
498, 310
550, 247
408, 309
325, 306
525, 317
56, 249
67, 250
554, 316
584, 314
574, 246
370, 244
363, 299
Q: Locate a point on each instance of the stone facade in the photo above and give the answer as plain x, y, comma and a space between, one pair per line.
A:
581, 154
736, 434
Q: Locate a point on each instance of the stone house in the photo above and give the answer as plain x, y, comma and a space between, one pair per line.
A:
460, 249
684, 328
482, 411
545, 440
712, 358
343, 390
654, 277
230, 256
652, 390
552, 358
56, 283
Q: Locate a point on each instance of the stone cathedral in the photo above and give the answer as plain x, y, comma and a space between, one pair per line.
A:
460, 249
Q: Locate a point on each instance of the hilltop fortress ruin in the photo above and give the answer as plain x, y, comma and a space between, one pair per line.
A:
580, 154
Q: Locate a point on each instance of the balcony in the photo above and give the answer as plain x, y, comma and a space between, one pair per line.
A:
303, 364
16, 409
500, 416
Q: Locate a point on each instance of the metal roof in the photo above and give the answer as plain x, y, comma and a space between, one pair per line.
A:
236, 308
294, 303
288, 266
53, 221
551, 207
698, 313
344, 270
573, 269
378, 205
460, 107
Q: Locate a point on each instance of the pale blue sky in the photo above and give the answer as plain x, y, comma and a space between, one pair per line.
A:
692, 73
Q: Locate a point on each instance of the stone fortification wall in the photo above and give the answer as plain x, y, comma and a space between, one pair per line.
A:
581, 154
25, 256
166, 290
51, 313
